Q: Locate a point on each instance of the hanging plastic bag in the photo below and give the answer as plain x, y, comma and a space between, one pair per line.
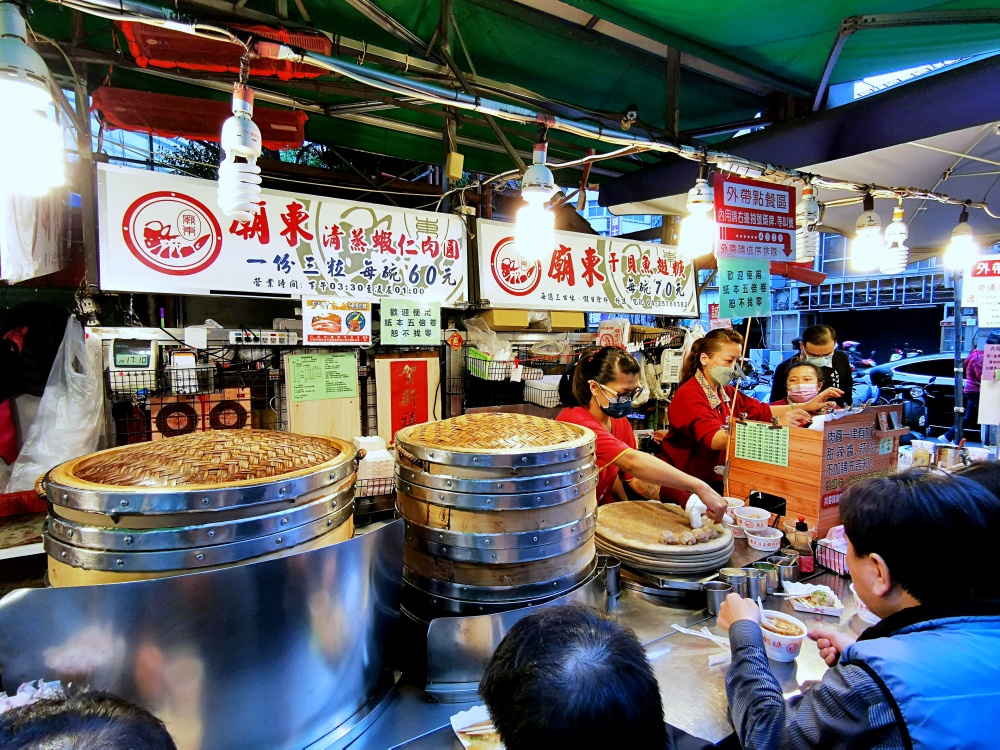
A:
643, 396
696, 332
485, 340
70, 419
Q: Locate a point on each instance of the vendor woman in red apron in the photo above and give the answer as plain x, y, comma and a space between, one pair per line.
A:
698, 437
602, 387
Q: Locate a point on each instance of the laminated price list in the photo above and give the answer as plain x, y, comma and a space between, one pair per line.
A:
756, 441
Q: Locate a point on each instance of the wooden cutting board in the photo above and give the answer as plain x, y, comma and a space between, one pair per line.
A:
638, 525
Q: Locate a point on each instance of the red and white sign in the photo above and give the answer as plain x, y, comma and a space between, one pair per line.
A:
165, 233
981, 289
714, 321
756, 219
408, 384
328, 321
585, 272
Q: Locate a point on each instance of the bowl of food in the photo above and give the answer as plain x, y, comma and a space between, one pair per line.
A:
783, 635
863, 612
765, 540
736, 530
734, 502
751, 519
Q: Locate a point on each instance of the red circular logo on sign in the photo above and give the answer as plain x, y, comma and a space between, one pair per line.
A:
172, 233
514, 274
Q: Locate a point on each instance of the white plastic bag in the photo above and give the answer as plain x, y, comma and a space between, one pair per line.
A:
697, 332
486, 341
70, 420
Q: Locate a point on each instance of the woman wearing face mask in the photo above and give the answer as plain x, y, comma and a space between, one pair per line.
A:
601, 389
803, 383
699, 412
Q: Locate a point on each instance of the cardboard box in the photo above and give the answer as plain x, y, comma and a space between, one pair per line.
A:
505, 320
563, 320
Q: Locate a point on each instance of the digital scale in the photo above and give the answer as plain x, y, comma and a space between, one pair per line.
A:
132, 365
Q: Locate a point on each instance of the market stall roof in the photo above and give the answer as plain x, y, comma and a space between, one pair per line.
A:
938, 133
581, 59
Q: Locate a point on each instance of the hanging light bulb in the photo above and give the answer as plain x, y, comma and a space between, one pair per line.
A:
896, 254
962, 249
239, 181
698, 230
535, 227
867, 245
32, 161
806, 218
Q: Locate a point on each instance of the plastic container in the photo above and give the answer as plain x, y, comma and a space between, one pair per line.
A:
764, 540
752, 519
863, 612
782, 647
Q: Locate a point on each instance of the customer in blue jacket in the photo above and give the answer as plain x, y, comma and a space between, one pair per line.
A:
928, 675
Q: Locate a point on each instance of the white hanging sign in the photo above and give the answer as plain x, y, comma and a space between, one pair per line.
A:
31, 236
165, 233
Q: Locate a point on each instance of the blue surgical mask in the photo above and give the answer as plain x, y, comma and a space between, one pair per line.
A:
826, 361
617, 409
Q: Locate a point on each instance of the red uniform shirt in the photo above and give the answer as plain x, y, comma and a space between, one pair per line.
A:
693, 424
610, 445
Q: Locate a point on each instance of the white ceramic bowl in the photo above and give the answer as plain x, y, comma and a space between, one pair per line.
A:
782, 647
734, 502
737, 530
863, 612
752, 518
765, 540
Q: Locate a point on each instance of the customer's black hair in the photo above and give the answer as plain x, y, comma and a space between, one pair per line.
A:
820, 334
570, 677
805, 365
983, 473
602, 364
905, 517
83, 720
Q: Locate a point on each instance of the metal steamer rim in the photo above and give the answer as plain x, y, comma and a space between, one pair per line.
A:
67, 488
497, 441
471, 501
570, 537
195, 535
573, 473
194, 558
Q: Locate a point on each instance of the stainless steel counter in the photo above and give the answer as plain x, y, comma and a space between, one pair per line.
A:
694, 694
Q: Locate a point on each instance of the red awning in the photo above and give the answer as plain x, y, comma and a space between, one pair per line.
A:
158, 47
186, 117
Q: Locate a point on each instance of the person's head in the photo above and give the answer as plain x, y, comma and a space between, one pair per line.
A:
892, 522
717, 351
608, 377
84, 720
570, 677
984, 473
803, 382
818, 345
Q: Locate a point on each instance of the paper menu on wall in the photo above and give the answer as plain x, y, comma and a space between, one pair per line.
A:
317, 377
756, 441
991, 361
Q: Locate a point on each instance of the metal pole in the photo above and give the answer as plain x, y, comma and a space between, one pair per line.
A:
959, 369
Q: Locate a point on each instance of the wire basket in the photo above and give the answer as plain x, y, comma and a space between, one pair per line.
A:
831, 559
374, 487
483, 366
542, 394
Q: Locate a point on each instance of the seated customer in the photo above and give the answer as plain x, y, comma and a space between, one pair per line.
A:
88, 720
803, 383
570, 677
926, 676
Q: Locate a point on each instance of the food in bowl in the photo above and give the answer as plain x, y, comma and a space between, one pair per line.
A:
734, 502
781, 626
782, 646
752, 518
764, 540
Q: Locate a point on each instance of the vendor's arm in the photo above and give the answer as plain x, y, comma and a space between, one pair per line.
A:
648, 468
618, 490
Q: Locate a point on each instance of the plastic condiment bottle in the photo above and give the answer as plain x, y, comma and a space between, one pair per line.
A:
803, 545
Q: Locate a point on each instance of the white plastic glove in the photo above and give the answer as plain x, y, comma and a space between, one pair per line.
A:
695, 508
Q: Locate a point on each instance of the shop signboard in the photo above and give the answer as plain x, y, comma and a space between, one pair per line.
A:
991, 362
165, 233
852, 452
585, 272
745, 287
714, 321
32, 236
333, 321
981, 289
410, 323
755, 219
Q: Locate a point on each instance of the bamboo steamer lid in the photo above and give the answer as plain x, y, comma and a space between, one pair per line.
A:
206, 471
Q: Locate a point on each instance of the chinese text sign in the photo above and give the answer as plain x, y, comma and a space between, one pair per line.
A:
744, 287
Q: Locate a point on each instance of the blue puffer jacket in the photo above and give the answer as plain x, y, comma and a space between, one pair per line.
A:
944, 676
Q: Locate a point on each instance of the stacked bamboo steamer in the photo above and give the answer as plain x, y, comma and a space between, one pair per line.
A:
196, 502
499, 510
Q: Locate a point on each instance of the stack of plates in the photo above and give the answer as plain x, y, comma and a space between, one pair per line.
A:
632, 531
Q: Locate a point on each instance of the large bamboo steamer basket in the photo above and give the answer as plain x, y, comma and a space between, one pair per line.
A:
499, 510
196, 502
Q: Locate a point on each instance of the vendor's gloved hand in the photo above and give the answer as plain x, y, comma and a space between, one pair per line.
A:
695, 509
709, 501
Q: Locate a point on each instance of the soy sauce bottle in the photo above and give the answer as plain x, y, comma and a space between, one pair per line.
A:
803, 545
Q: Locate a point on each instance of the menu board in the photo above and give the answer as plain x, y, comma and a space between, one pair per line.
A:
330, 321
853, 452
316, 377
757, 441
991, 361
